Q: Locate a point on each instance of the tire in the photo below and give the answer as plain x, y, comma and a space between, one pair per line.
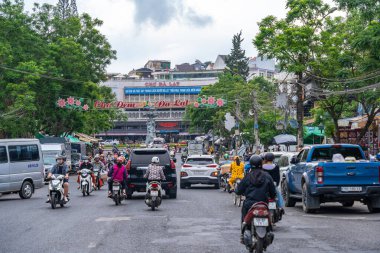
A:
116, 200
153, 207
216, 186
84, 192
173, 194
129, 196
289, 201
259, 245
182, 186
240, 201
26, 190
62, 205
53, 200
372, 209
305, 200
348, 203
235, 199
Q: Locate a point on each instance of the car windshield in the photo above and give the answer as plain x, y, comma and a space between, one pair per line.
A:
145, 156
326, 154
199, 161
49, 160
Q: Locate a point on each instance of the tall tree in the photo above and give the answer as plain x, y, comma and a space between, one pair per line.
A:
294, 42
236, 61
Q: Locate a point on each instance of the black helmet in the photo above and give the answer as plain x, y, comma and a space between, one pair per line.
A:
85, 157
256, 162
269, 157
60, 157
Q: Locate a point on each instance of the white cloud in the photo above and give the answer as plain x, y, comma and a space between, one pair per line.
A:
196, 29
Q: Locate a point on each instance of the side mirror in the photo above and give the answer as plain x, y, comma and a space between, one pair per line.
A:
294, 160
174, 159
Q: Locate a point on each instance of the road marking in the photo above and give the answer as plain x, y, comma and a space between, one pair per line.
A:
92, 245
125, 218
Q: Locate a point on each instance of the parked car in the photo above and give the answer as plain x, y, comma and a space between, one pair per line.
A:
110, 142
138, 163
332, 173
199, 169
21, 166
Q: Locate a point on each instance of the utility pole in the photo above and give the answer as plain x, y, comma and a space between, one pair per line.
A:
255, 120
300, 110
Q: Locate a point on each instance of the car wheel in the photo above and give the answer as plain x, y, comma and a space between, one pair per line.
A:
306, 198
216, 186
129, 196
289, 201
26, 191
173, 194
372, 209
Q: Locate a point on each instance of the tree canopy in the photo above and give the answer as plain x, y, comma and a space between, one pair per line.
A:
236, 61
44, 57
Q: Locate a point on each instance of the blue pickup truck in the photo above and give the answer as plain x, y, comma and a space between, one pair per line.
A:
314, 178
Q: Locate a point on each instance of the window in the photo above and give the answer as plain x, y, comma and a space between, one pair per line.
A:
199, 161
305, 153
326, 154
3, 155
23, 153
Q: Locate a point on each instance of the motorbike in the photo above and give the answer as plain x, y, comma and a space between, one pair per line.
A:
223, 182
85, 182
98, 178
238, 199
275, 212
153, 196
257, 228
117, 195
56, 191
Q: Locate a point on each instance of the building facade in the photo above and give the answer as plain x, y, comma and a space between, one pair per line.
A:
170, 92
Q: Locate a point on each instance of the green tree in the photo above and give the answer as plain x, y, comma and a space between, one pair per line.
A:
236, 61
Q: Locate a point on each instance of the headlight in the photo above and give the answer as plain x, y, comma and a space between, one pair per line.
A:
84, 174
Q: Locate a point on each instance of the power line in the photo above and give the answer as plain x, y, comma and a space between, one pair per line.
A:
368, 76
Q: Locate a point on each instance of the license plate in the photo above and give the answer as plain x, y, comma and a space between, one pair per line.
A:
198, 172
115, 188
154, 193
272, 205
260, 222
351, 189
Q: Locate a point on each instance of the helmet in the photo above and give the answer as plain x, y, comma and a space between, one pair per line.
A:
155, 159
97, 156
120, 159
60, 157
269, 157
85, 158
256, 162
226, 156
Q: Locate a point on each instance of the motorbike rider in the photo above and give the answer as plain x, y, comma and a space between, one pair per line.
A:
274, 172
155, 172
256, 186
237, 171
117, 173
61, 168
98, 164
103, 159
86, 164
115, 150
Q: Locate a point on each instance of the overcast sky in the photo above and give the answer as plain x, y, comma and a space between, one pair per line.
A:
176, 30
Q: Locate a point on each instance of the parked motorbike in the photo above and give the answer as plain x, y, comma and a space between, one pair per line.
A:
257, 228
275, 212
238, 199
85, 182
56, 191
117, 195
153, 196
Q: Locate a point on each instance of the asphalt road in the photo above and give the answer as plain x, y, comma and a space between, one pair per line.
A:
200, 220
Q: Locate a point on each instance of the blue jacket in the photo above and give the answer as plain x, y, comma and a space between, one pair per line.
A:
61, 170
247, 167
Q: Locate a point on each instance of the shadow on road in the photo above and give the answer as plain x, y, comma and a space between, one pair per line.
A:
336, 208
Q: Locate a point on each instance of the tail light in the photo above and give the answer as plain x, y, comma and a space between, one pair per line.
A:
261, 211
214, 174
128, 166
131, 185
319, 174
172, 165
154, 185
183, 174
271, 200
212, 165
187, 166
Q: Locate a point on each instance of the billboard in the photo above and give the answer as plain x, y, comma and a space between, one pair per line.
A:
163, 90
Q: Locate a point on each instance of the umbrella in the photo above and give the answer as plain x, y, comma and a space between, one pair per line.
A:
285, 139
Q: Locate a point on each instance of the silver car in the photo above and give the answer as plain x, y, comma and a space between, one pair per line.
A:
21, 166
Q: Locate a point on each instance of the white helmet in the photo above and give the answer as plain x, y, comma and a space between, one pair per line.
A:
155, 159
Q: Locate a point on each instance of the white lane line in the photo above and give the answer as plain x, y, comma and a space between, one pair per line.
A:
100, 219
92, 245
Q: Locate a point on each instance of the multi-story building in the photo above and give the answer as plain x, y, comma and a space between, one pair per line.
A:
169, 92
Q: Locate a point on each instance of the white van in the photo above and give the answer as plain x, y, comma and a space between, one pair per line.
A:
21, 166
